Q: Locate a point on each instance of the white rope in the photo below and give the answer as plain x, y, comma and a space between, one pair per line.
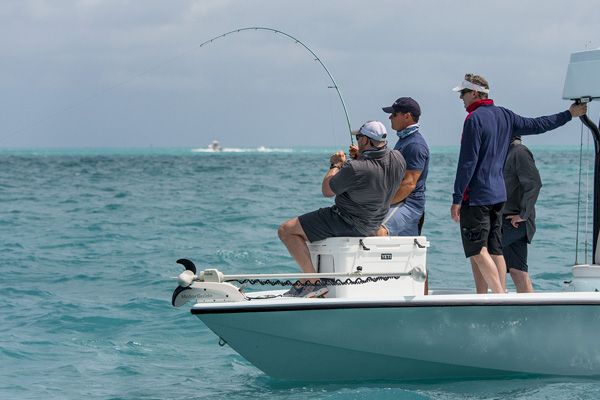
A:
301, 275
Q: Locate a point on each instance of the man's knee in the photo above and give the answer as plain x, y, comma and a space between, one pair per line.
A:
518, 276
291, 228
483, 253
286, 229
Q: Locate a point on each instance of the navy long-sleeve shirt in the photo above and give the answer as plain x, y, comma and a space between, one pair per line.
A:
487, 132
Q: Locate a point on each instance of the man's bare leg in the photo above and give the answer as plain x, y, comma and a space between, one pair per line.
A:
501, 267
489, 271
294, 238
521, 281
480, 285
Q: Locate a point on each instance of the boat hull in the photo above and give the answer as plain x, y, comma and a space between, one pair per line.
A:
423, 337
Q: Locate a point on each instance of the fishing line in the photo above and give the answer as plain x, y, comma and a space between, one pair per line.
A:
331, 122
170, 60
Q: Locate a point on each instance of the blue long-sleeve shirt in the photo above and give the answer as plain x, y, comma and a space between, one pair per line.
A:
487, 133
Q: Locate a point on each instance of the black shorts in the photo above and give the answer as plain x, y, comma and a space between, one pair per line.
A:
325, 223
481, 226
514, 245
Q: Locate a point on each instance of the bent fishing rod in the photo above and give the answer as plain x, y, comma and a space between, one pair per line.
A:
316, 58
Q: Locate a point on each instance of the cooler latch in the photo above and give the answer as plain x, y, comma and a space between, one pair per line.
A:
419, 245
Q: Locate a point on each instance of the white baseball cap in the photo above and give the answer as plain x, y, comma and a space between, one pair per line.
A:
374, 130
471, 86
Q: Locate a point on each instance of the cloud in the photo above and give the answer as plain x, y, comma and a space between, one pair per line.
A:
134, 68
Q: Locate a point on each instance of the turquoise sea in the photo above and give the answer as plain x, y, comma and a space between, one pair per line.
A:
89, 239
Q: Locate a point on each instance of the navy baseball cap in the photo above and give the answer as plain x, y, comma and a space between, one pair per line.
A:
404, 105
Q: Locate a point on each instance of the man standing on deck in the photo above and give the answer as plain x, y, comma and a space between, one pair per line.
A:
408, 204
362, 189
523, 184
479, 191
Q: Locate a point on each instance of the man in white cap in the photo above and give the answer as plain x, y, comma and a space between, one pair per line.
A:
479, 191
362, 188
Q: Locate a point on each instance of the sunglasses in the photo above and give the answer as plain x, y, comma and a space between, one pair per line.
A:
464, 91
396, 113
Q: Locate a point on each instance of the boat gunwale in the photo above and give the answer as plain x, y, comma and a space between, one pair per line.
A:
474, 300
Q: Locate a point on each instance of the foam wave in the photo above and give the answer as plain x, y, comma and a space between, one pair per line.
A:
260, 149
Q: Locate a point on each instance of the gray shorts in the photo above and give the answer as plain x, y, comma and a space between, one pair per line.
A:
325, 223
514, 245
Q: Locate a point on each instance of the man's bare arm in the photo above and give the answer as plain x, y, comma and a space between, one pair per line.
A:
408, 184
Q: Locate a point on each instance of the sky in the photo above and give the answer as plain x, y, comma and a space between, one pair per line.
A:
107, 73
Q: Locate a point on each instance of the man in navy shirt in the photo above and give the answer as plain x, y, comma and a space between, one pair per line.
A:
479, 191
408, 205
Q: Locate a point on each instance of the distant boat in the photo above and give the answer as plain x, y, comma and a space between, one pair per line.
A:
215, 146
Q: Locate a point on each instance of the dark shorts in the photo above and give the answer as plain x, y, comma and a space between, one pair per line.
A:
481, 226
514, 245
325, 223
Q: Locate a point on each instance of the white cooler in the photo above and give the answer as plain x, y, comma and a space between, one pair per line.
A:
375, 254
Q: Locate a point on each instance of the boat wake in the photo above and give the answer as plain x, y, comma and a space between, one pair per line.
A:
260, 149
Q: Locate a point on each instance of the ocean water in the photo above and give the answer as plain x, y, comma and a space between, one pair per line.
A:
89, 239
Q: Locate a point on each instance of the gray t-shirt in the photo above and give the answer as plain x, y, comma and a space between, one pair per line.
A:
364, 187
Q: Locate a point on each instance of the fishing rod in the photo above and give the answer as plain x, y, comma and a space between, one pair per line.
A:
316, 58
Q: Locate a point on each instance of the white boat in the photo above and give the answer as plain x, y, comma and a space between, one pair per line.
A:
377, 323
215, 146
